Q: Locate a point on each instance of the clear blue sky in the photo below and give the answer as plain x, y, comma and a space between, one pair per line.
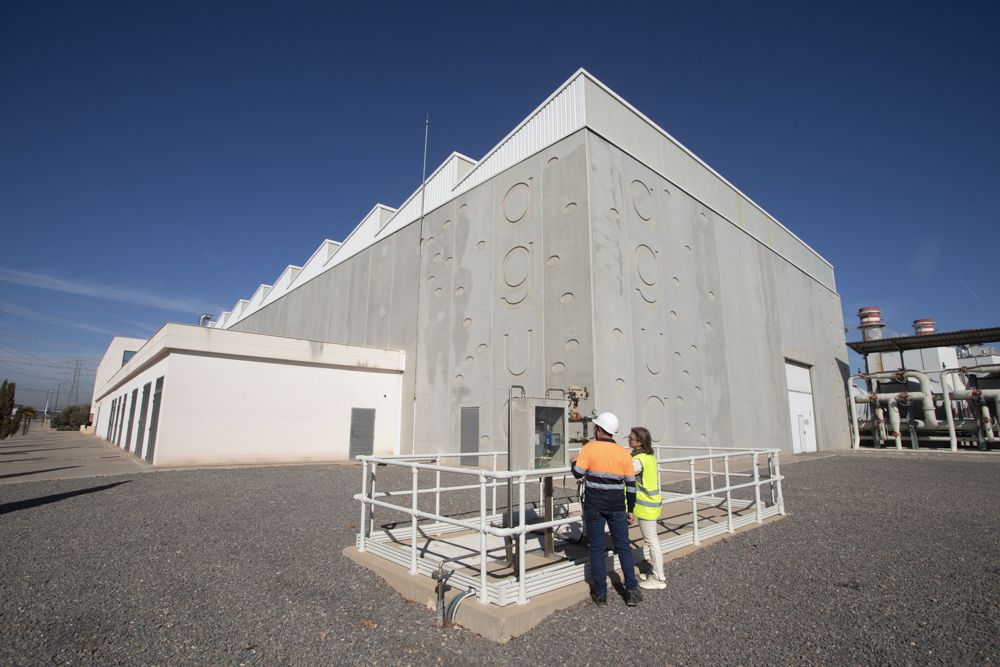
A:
160, 160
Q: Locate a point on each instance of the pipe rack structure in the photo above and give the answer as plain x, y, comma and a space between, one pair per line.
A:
407, 545
885, 406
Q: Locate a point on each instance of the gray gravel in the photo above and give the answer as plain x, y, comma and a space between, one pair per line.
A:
888, 560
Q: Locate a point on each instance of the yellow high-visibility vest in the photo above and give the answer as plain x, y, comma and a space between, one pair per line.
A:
647, 489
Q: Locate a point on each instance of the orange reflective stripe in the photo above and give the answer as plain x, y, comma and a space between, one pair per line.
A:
601, 456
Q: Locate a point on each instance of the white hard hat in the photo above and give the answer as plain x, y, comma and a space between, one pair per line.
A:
607, 421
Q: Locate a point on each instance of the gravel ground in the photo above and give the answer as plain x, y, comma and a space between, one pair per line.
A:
882, 559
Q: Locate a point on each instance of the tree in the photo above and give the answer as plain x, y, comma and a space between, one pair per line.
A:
71, 418
8, 424
26, 415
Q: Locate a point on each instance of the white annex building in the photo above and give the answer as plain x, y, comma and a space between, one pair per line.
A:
587, 248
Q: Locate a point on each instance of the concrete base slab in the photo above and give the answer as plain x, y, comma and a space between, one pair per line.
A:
496, 623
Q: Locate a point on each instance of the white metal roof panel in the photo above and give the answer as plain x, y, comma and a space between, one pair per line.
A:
314, 265
281, 285
439, 191
362, 236
562, 114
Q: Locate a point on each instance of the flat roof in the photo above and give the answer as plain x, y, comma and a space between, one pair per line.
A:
941, 339
208, 341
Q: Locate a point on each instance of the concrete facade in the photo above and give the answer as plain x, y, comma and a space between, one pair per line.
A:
610, 257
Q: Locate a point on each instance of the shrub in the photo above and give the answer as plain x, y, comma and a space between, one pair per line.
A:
71, 418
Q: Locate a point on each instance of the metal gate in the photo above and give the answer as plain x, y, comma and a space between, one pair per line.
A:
362, 432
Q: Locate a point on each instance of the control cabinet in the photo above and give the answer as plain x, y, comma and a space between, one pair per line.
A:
538, 433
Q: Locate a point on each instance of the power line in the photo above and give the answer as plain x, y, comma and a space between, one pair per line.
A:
23, 373
20, 351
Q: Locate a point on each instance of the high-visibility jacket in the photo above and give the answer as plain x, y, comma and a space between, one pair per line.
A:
647, 492
609, 480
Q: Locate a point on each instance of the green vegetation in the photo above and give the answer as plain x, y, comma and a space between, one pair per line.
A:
71, 418
8, 423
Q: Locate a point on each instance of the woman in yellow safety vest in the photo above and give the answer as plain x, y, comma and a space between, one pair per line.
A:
648, 501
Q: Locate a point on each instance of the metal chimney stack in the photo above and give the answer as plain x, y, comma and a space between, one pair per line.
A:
923, 327
871, 323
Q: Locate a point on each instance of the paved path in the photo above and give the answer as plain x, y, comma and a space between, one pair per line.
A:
44, 454
883, 560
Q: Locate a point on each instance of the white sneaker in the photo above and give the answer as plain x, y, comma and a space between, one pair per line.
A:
652, 583
642, 576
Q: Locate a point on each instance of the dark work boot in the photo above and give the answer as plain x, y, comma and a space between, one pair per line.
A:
633, 597
599, 600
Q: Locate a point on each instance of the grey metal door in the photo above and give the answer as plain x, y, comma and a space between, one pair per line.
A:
121, 420
131, 419
142, 419
362, 432
154, 419
469, 436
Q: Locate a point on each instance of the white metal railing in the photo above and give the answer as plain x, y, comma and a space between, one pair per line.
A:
490, 523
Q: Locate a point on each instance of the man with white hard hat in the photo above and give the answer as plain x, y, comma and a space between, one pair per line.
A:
609, 498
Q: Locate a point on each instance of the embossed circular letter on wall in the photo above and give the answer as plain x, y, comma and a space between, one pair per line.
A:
516, 202
645, 265
650, 344
642, 200
515, 266
654, 417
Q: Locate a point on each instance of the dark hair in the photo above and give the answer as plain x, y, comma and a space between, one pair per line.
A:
645, 441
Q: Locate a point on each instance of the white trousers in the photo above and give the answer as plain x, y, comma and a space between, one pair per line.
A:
652, 540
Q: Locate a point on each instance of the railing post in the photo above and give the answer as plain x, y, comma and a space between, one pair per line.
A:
437, 487
711, 472
729, 496
363, 526
777, 484
372, 478
522, 594
694, 504
494, 485
413, 524
483, 597
756, 487
770, 472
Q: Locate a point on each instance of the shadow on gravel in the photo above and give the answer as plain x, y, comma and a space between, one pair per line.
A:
36, 472
7, 508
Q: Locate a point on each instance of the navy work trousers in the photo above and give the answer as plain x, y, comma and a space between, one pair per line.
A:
618, 525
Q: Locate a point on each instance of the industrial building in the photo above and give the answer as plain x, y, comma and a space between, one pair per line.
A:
588, 248
932, 388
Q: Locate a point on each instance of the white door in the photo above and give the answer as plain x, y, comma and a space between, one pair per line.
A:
800, 408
